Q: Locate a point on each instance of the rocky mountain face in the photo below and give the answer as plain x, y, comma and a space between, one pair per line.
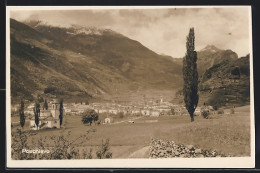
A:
210, 56
224, 78
227, 83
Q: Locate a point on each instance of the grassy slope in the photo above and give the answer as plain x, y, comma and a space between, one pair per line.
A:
228, 134
78, 64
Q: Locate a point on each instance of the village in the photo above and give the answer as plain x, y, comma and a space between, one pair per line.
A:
107, 111
148, 109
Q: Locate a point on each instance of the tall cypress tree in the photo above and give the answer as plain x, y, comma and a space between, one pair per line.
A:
45, 105
36, 114
21, 112
190, 75
61, 111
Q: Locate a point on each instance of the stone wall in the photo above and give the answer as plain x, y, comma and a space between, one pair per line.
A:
168, 149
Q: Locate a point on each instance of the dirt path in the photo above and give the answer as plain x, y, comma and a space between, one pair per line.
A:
132, 119
17, 122
141, 153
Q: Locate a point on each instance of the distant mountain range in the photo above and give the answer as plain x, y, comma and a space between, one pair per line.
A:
92, 63
210, 56
81, 62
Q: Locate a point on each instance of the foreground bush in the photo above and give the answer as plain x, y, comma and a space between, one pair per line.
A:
232, 111
103, 151
59, 147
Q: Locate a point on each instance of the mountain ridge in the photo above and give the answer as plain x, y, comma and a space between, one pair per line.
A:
49, 61
91, 62
211, 55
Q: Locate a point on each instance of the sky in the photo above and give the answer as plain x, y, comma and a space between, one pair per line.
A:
162, 30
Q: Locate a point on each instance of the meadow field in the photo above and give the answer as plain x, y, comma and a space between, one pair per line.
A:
226, 133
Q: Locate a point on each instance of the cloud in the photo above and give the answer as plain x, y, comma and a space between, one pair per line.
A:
161, 30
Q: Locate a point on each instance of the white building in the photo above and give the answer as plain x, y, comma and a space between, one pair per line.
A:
113, 111
155, 113
48, 118
67, 110
135, 111
107, 121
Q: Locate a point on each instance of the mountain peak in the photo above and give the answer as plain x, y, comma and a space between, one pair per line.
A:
211, 48
85, 30
72, 29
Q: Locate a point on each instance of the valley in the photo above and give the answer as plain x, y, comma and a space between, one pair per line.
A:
79, 63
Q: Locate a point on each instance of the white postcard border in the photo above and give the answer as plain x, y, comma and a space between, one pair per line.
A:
228, 162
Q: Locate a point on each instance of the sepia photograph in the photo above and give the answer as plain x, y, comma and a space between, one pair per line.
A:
140, 86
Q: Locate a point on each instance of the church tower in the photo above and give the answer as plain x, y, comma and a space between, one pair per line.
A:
55, 109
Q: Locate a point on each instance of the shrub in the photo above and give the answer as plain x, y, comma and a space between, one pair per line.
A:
121, 115
64, 147
103, 152
236, 71
19, 142
49, 90
172, 111
54, 91
220, 111
232, 111
205, 114
40, 99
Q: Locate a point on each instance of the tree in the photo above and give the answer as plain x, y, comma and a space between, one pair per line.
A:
45, 105
40, 99
95, 117
172, 111
61, 111
21, 112
36, 110
89, 116
236, 72
190, 76
121, 115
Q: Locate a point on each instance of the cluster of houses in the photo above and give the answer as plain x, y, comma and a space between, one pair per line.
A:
163, 108
75, 108
50, 118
